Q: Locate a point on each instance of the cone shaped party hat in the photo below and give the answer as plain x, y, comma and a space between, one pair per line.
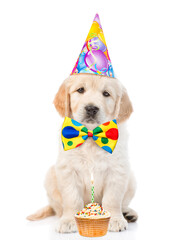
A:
94, 57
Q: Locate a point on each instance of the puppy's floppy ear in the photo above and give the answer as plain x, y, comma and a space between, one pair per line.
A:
124, 107
62, 100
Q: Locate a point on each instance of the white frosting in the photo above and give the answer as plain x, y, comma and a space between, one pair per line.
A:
93, 211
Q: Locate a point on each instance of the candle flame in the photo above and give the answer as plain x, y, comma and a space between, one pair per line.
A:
92, 178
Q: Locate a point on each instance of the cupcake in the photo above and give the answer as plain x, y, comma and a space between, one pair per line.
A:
92, 220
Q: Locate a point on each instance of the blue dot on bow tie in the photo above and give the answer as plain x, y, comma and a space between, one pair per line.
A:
108, 149
76, 123
95, 138
115, 121
85, 137
70, 132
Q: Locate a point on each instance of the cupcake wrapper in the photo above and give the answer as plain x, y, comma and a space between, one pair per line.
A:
92, 227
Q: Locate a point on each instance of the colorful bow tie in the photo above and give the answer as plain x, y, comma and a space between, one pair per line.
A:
74, 134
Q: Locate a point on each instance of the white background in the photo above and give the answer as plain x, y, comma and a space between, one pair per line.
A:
40, 41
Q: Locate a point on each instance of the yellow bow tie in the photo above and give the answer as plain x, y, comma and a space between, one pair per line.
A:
74, 134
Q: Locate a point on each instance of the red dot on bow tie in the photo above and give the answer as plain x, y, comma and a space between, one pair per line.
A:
106, 124
112, 134
78, 145
90, 134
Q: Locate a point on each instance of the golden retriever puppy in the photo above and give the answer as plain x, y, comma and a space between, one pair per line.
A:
91, 100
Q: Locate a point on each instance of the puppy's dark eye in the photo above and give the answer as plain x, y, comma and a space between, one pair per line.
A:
106, 94
81, 90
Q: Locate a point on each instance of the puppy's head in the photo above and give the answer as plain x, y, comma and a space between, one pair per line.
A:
93, 99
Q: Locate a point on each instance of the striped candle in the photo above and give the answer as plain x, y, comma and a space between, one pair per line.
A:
92, 188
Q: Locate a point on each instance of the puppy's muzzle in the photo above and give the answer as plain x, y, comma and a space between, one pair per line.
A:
91, 110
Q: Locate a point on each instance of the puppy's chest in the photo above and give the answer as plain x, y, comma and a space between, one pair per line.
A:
99, 176
91, 159
90, 155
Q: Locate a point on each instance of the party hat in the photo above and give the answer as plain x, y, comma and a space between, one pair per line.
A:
94, 57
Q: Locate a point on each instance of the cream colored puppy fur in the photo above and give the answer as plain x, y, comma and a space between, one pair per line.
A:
68, 181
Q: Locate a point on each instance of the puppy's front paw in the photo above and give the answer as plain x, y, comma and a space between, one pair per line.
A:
118, 224
66, 225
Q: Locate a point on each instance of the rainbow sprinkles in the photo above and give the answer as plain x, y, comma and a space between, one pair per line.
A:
93, 211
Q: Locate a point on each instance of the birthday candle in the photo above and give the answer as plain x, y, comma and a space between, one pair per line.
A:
92, 188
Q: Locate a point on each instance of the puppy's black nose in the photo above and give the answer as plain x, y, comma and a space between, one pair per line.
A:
91, 110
